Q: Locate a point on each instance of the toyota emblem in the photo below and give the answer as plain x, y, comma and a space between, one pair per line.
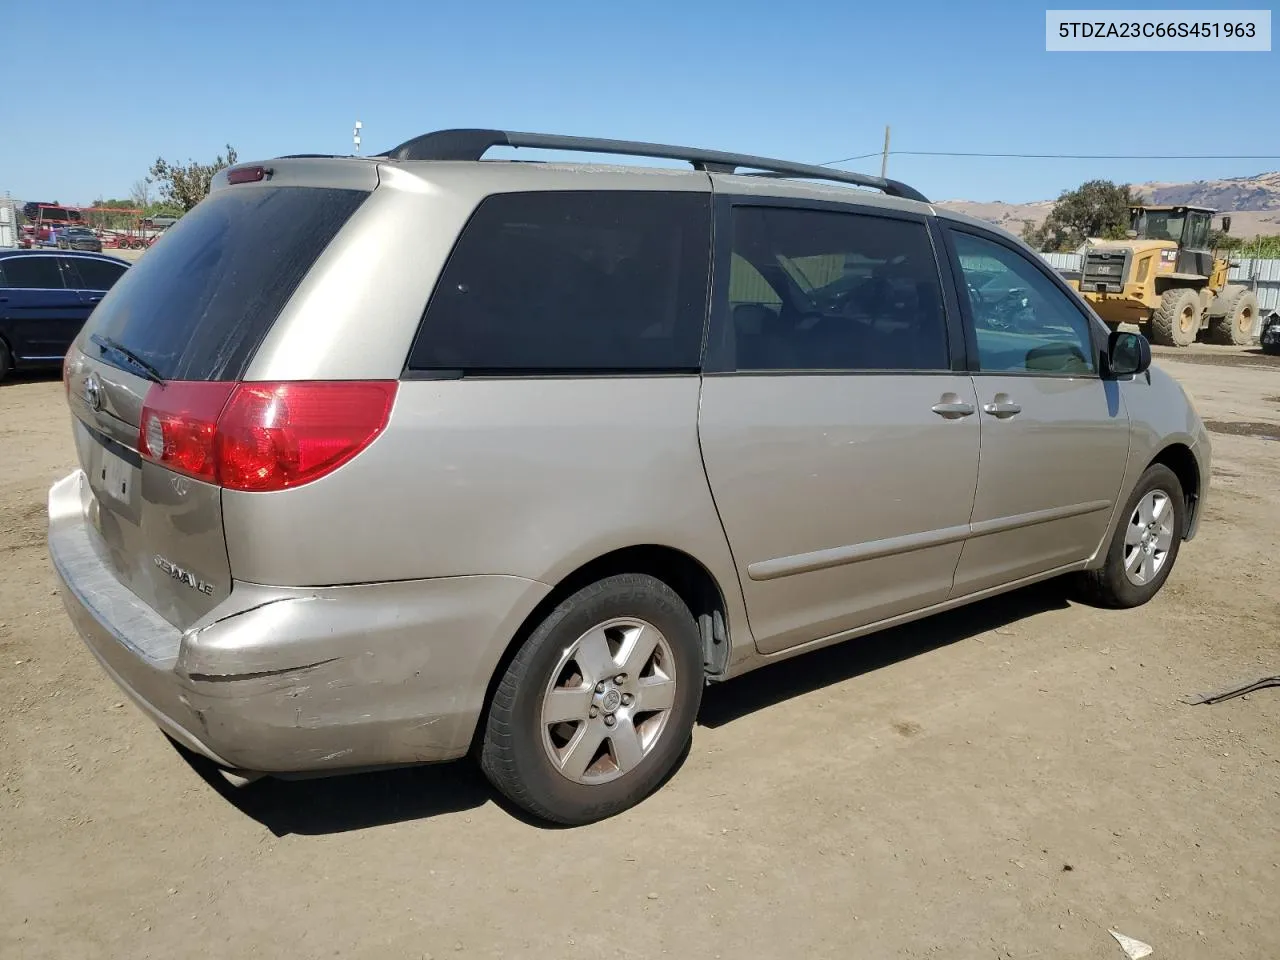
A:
93, 391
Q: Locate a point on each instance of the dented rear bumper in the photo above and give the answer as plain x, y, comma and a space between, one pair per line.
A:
289, 679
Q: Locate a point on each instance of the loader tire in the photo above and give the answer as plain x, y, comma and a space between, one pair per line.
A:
1235, 326
1176, 321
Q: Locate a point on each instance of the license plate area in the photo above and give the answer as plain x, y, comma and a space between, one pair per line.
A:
116, 476
114, 472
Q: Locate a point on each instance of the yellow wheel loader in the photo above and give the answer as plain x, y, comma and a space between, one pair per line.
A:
1165, 278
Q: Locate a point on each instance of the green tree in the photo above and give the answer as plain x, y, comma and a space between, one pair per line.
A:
163, 210
1098, 209
1262, 248
185, 186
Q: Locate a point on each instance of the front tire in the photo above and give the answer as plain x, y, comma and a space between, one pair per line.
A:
1144, 546
598, 704
6, 360
1176, 321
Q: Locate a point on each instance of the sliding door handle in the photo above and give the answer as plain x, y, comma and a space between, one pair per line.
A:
952, 409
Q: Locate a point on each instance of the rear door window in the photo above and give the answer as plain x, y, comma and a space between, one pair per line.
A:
33, 273
197, 306
821, 290
572, 282
97, 274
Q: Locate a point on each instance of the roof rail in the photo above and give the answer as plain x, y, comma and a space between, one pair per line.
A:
466, 144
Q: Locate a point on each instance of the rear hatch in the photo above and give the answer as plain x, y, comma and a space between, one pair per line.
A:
192, 312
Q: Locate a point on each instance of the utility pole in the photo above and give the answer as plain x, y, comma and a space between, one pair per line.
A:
884, 158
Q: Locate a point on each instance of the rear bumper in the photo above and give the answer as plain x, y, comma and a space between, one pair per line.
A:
287, 679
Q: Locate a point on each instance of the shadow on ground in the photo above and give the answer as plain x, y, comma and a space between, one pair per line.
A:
358, 801
724, 703
352, 802
1239, 357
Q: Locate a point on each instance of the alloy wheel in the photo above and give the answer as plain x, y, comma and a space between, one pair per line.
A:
608, 701
1148, 538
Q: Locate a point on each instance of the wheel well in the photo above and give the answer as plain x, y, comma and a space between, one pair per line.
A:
1164, 285
1179, 458
691, 581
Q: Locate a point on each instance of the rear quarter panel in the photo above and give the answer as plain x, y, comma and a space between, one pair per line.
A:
524, 477
521, 477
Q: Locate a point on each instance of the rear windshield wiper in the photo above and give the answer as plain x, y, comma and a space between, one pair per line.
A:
148, 371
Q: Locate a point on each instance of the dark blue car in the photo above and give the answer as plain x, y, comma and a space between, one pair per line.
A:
45, 298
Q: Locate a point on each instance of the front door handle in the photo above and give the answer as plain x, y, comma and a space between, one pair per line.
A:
94, 299
952, 410
1002, 407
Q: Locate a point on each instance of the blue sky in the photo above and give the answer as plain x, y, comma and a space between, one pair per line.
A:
802, 81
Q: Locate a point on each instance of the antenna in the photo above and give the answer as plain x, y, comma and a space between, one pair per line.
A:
355, 136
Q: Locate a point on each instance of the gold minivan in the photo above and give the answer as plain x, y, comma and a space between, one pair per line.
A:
390, 459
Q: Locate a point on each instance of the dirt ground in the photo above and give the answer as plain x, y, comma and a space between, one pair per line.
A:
1010, 780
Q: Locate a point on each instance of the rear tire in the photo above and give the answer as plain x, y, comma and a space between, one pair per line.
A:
620, 738
1235, 327
1176, 321
1145, 544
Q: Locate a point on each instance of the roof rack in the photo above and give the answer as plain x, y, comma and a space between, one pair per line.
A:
464, 144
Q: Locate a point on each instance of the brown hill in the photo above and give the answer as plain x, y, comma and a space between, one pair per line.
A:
1253, 202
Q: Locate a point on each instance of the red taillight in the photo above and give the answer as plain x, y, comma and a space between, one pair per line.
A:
179, 421
277, 435
262, 436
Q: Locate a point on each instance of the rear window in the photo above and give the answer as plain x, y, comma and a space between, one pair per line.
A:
98, 274
197, 306
572, 282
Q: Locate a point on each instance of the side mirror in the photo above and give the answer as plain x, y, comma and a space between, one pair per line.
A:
1226, 224
1128, 354
1131, 234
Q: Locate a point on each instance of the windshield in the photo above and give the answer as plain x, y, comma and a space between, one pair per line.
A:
1160, 224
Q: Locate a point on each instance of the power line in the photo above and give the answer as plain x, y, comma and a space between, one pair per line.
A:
1093, 156
1058, 156
861, 156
